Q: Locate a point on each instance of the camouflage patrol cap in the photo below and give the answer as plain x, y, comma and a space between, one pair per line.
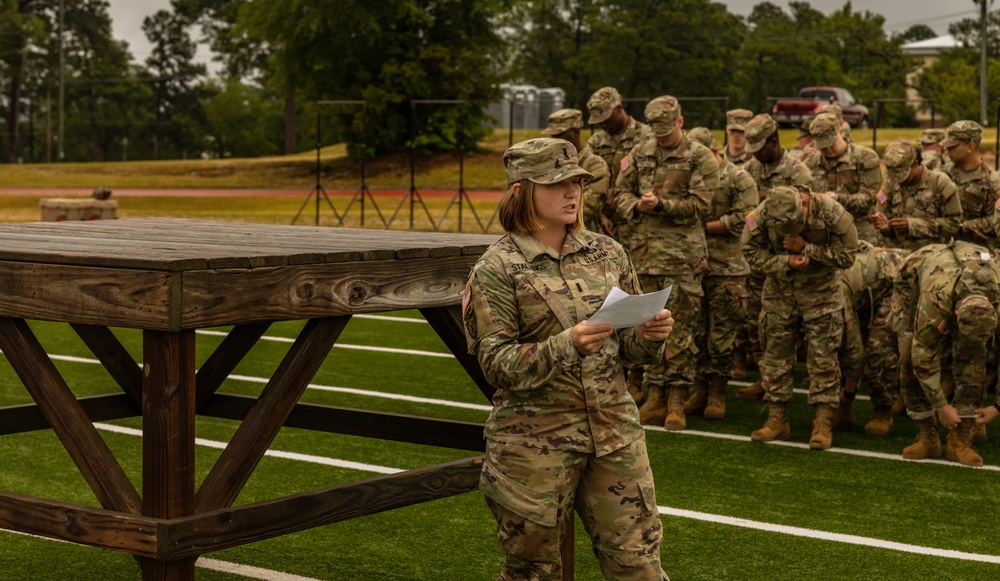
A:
602, 104
758, 130
662, 113
824, 130
962, 132
831, 109
784, 210
703, 136
804, 128
737, 119
976, 317
563, 120
931, 136
543, 160
899, 157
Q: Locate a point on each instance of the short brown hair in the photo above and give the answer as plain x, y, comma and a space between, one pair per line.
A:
517, 213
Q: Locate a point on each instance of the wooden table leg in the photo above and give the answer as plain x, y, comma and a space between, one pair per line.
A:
168, 424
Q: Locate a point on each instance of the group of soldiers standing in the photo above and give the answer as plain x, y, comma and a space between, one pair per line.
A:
775, 255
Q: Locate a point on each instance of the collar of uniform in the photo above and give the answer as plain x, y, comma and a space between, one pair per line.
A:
675, 150
629, 130
842, 158
531, 248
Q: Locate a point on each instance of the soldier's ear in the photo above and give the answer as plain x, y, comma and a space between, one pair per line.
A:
515, 189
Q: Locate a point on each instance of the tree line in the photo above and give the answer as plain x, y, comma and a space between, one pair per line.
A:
279, 59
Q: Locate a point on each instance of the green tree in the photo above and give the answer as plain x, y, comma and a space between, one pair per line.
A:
241, 120
953, 82
177, 107
22, 27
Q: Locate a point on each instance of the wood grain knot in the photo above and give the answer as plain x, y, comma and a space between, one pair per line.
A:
357, 294
304, 292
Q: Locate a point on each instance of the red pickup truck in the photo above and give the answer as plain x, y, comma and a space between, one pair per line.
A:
793, 110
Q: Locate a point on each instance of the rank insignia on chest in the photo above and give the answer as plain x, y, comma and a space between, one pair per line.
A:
625, 164
751, 222
881, 197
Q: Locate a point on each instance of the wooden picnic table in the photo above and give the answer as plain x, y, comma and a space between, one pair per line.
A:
170, 277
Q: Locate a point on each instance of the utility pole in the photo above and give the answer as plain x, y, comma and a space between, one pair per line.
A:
62, 77
983, 43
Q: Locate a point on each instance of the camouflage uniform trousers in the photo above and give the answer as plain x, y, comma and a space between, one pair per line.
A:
958, 370
532, 493
881, 357
681, 353
822, 336
723, 311
748, 340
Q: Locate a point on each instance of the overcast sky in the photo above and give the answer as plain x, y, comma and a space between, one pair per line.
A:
899, 15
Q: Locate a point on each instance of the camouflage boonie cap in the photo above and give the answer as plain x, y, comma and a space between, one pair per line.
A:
737, 119
831, 109
543, 160
662, 113
703, 136
784, 210
976, 317
758, 130
563, 120
931, 136
824, 130
962, 132
899, 157
602, 103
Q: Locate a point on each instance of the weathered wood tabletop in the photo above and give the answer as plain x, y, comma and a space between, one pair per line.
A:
169, 277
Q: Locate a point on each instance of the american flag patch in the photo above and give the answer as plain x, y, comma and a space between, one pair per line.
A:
942, 325
881, 197
625, 164
751, 222
466, 298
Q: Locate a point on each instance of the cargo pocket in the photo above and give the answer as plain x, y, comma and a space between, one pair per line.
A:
533, 505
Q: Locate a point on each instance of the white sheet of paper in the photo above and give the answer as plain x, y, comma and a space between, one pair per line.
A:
624, 310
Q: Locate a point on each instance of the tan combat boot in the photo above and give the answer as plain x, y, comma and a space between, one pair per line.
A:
822, 437
654, 409
978, 433
960, 445
716, 407
881, 421
695, 403
927, 444
755, 391
739, 366
776, 427
633, 383
675, 420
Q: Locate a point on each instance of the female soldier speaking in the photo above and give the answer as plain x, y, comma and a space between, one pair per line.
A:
564, 434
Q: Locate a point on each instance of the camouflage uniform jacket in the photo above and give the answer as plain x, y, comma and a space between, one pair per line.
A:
979, 191
671, 240
831, 244
595, 190
931, 206
930, 283
855, 176
788, 171
735, 198
612, 148
869, 280
738, 160
932, 160
519, 306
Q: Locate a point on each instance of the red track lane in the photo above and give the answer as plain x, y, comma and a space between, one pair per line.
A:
242, 193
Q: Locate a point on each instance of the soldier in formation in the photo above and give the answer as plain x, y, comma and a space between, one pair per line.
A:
930, 148
800, 240
849, 173
724, 283
944, 309
665, 188
978, 184
736, 141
